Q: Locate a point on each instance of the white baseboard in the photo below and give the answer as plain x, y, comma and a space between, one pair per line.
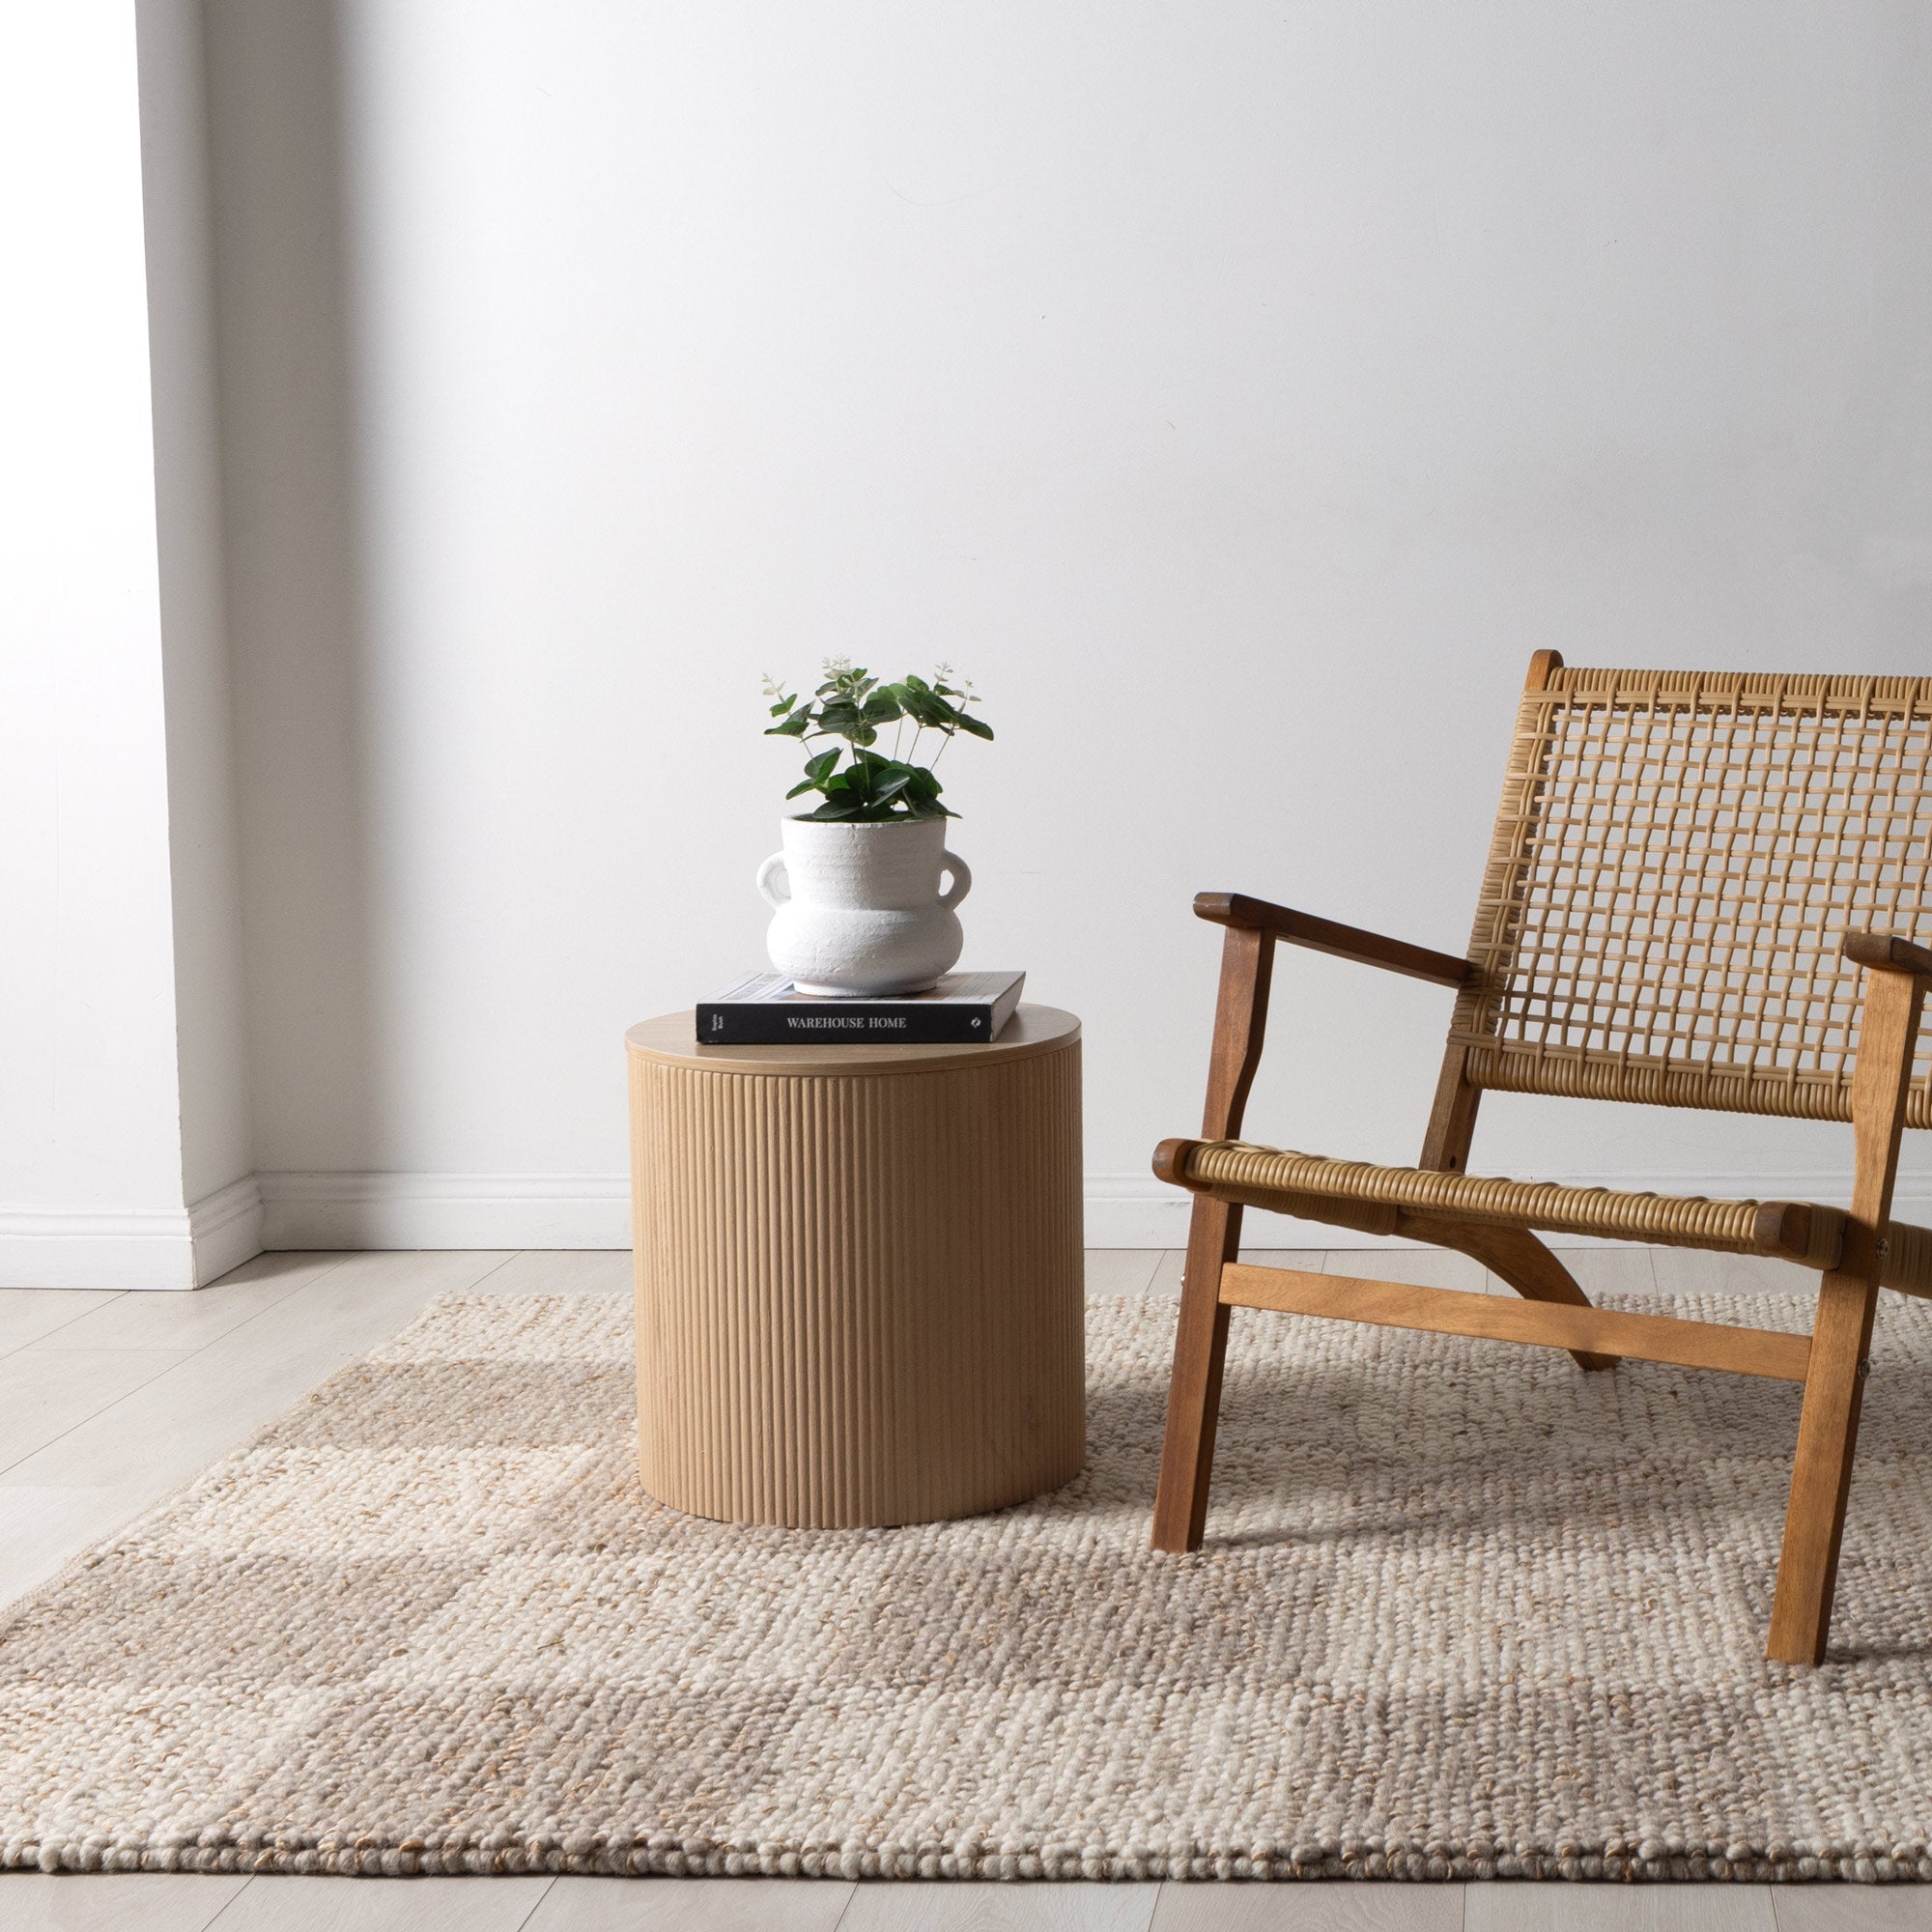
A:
174, 1249
577, 1210
592, 1210
321, 1210
227, 1228
131, 1248
446, 1211
1135, 1210
96, 1247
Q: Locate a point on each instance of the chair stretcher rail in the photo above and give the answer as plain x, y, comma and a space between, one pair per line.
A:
1447, 1311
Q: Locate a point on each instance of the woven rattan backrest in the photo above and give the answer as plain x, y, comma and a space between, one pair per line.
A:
1676, 860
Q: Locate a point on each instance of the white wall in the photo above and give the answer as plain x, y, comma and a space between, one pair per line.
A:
1240, 393
125, 1152
89, 1147
216, 1139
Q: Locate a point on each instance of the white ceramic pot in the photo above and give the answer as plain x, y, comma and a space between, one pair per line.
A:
859, 906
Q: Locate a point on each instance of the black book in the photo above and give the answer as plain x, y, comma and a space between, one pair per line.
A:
768, 1010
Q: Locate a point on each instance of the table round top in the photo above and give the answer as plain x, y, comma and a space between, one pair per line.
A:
673, 1037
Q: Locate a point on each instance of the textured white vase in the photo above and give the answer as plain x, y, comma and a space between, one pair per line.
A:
859, 906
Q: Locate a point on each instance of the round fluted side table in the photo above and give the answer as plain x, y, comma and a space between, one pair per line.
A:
859, 1274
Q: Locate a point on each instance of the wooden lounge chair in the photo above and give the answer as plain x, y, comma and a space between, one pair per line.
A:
1703, 891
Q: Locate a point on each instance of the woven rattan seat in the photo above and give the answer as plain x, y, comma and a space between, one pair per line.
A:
1702, 891
1359, 1195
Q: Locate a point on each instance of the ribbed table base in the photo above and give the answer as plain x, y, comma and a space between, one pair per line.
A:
858, 1290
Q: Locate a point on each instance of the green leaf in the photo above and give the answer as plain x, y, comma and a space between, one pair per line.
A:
842, 720
852, 705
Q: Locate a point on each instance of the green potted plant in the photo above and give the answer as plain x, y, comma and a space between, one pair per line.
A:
855, 889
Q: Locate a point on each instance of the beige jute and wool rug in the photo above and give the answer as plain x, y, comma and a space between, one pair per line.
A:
1465, 1611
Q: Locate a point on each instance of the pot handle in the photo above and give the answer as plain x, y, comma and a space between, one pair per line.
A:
962, 880
774, 865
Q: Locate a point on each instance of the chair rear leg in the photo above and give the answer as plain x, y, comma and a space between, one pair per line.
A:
1820, 1473
1194, 1394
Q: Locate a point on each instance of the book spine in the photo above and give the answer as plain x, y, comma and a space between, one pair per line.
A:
728, 1025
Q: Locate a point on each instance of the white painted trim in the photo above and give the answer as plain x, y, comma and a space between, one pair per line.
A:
226, 1229
131, 1248
162, 1248
446, 1211
1135, 1210
592, 1210
96, 1247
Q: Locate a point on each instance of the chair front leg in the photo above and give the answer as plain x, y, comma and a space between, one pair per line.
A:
1827, 1427
1213, 1240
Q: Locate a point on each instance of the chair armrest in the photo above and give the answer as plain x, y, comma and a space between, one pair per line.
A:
1345, 942
1884, 952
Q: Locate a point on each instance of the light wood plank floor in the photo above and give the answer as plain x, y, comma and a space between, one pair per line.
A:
109, 1400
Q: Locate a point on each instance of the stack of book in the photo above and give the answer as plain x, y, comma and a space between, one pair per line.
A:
767, 1010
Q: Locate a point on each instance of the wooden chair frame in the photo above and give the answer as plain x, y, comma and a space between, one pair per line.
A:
1831, 1363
